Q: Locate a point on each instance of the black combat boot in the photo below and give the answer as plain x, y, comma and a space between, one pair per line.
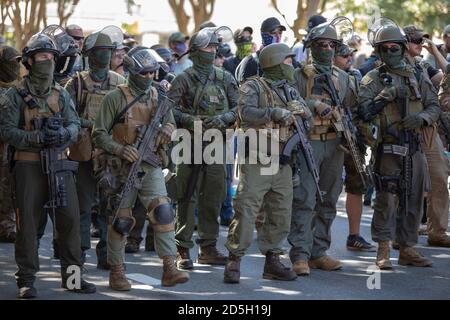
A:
85, 287
184, 259
232, 273
275, 270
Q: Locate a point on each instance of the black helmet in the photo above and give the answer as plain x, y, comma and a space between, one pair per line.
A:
40, 42
142, 59
339, 30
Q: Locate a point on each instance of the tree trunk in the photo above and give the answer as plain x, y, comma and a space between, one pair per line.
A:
65, 10
203, 10
182, 18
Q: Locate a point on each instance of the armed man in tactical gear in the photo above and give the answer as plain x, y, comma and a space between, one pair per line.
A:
355, 187
327, 92
123, 111
208, 94
437, 160
398, 104
39, 117
9, 75
266, 103
87, 89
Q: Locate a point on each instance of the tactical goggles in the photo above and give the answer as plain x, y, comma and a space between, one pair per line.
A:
393, 49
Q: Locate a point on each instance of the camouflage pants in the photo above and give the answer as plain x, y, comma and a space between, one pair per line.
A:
353, 182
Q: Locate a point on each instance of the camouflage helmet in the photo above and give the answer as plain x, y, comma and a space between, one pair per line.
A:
108, 38
210, 36
142, 59
274, 54
384, 30
340, 29
39, 42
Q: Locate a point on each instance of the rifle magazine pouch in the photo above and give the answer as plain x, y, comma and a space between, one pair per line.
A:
161, 215
82, 149
124, 222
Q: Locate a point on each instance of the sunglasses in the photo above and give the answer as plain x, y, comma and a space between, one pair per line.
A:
392, 49
78, 38
330, 44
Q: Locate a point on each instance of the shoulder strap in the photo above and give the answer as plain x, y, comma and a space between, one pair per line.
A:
267, 90
26, 96
125, 109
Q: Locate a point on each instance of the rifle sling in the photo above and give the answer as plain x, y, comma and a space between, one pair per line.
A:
121, 113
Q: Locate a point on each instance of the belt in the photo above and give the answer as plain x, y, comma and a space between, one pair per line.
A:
395, 149
324, 136
33, 156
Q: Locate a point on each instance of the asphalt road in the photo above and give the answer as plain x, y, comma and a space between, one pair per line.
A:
145, 268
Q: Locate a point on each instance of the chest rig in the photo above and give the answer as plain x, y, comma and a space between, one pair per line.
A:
391, 116
89, 95
315, 89
139, 114
209, 98
35, 110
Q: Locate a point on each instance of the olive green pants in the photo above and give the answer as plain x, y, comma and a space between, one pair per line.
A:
208, 196
31, 194
254, 191
389, 222
153, 186
310, 235
437, 198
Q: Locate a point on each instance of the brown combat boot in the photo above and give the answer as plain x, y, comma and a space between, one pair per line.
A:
184, 259
275, 270
410, 257
325, 263
442, 240
301, 268
395, 245
171, 275
383, 255
210, 255
117, 279
232, 272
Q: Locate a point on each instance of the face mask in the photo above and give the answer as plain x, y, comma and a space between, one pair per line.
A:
9, 71
280, 72
203, 61
139, 83
267, 38
100, 58
41, 75
180, 48
99, 64
243, 50
322, 56
394, 60
288, 71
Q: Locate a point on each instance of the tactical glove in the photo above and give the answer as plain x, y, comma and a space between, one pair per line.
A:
282, 116
296, 107
411, 122
164, 135
217, 122
323, 109
128, 153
